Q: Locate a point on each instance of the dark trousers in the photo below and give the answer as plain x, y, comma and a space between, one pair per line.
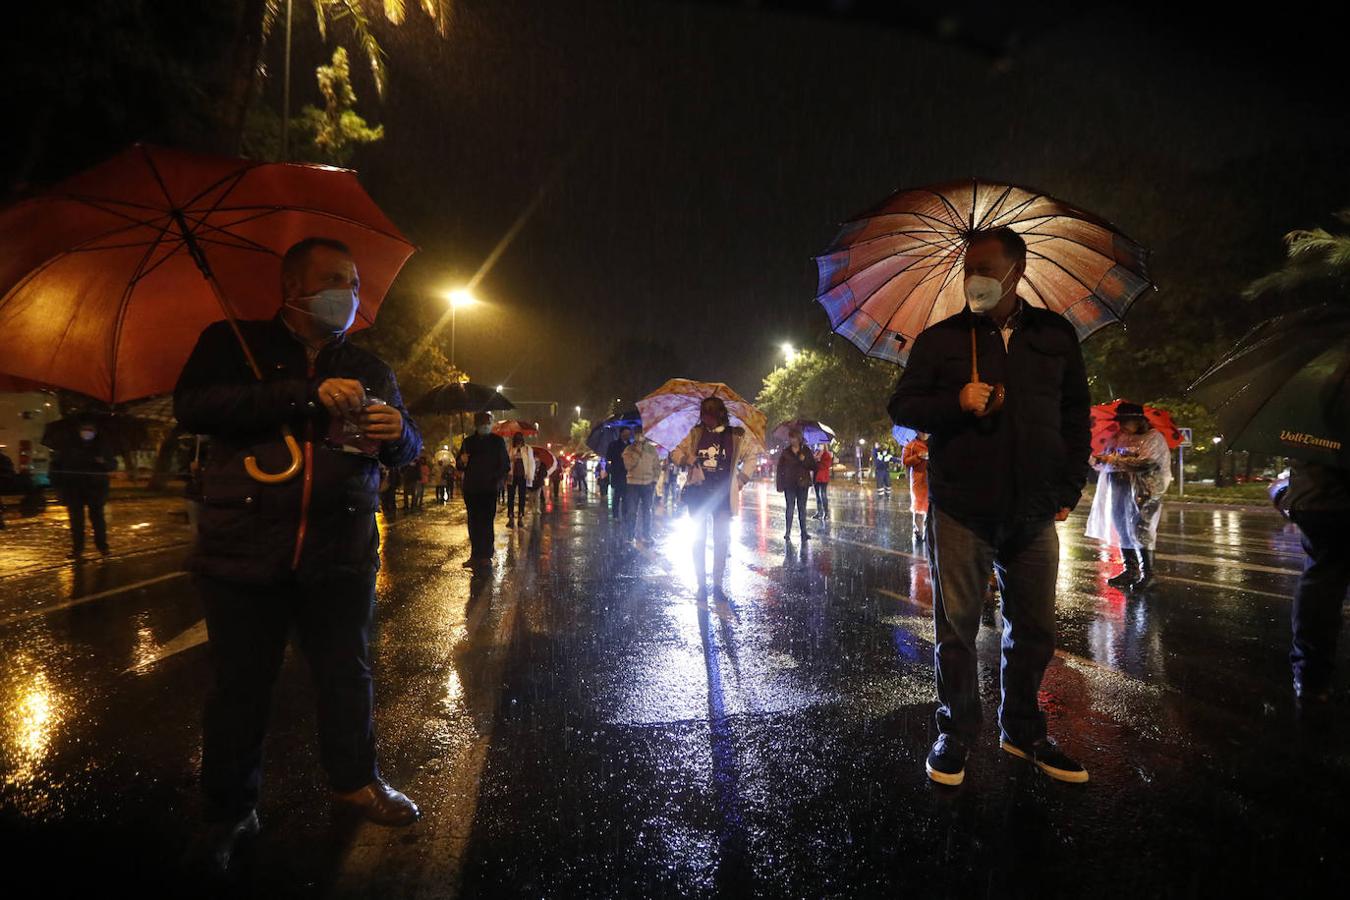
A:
76, 503
823, 497
1319, 596
482, 510
638, 509
618, 496
796, 497
1026, 557
248, 627
515, 497
710, 501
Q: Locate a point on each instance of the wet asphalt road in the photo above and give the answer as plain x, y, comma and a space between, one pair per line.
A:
575, 724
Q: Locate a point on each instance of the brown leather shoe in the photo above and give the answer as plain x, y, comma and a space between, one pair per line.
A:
379, 803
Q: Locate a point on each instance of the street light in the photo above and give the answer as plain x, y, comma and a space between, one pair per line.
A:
500, 388
1218, 461
578, 412
789, 353
457, 298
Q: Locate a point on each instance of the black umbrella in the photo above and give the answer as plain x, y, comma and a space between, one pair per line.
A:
1283, 389
460, 397
607, 432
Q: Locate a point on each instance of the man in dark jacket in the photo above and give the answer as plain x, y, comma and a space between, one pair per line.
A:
998, 480
1318, 502
618, 471
79, 472
485, 462
299, 553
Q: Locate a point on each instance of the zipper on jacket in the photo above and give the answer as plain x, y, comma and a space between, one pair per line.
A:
308, 489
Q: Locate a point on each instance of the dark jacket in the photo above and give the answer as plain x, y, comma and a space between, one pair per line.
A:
80, 469
618, 469
1316, 488
489, 463
796, 470
1030, 459
249, 531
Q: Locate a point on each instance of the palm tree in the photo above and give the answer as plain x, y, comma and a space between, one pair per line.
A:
1317, 259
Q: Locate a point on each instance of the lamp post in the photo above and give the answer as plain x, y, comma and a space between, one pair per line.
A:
1218, 462
457, 298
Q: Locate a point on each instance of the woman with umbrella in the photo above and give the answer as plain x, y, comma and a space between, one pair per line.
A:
520, 480
714, 451
796, 472
1135, 471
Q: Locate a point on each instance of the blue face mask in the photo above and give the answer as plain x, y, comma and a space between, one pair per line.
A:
333, 310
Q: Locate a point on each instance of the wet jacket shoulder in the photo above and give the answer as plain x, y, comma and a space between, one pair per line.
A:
1028, 460
795, 469
614, 457
250, 532
489, 462
1316, 488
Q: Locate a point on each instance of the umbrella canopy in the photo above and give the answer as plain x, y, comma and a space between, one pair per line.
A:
104, 283
1105, 426
903, 435
511, 427
813, 432
671, 411
607, 432
460, 397
897, 268
1283, 389
545, 458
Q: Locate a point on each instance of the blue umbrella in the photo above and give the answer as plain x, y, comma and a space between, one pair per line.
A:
902, 434
813, 432
607, 432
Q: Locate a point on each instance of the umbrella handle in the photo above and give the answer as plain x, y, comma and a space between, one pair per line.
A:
297, 462
999, 394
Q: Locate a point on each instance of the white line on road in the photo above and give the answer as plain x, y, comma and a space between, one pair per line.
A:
87, 598
191, 637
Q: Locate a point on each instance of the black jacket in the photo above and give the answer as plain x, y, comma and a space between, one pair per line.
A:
249, 531
1030, 459
618, 469
1316, 488
80, 469
489, 463
795, 470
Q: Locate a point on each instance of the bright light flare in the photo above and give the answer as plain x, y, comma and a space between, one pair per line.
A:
460, 298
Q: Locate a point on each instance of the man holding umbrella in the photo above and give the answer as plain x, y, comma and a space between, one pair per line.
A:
618, 473
276, 553
1002, 471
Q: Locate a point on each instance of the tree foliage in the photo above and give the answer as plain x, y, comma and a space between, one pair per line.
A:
839, 387
577, 434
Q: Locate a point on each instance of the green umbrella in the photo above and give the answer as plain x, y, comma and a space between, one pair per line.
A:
1283, 389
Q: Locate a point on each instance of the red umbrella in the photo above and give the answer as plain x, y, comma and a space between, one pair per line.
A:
108, 278
511, 427
544, 458
1105, 426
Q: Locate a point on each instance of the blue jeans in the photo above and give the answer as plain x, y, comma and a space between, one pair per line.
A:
1026, 557
1319, 596
637, 509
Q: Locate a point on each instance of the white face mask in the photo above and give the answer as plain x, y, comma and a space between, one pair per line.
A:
333, 310
983, 293
485, 430
87, 434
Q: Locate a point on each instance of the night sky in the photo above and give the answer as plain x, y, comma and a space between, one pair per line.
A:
693, 157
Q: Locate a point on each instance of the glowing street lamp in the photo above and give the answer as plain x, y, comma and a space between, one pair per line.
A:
789, 353
500, 388
457, 298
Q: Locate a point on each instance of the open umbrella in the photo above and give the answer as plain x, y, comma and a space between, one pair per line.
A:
896, 269
1105, 426
545, 458
1284, 388
509, 428
607, 432
460, 397
903, 435
813, 432
671, 411
108, 278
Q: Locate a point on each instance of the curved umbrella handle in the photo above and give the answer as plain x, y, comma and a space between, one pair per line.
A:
297, 463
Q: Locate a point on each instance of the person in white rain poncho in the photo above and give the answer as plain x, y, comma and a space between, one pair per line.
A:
1135, 472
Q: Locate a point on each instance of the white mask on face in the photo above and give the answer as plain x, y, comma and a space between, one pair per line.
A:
983, 293
333, 310
485, 430
87, 434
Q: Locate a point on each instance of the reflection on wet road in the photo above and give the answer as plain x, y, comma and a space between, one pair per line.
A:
576, 723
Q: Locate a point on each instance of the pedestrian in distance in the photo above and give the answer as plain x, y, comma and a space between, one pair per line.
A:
1317, 501
1135, 470
881, 469
716, 453
795, 473
485, 465
602, 480
1000, 476
914, 457
642, 464
824, 469
618, 472
79, 472
519, 481
409, 479
299, 555
450, 476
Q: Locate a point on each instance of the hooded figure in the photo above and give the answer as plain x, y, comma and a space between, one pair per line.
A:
1134, 473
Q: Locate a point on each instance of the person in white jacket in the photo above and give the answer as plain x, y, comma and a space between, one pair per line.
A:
519, 481
644, 465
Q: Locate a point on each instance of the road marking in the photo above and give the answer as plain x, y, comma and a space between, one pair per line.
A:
194, 636
88, 598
